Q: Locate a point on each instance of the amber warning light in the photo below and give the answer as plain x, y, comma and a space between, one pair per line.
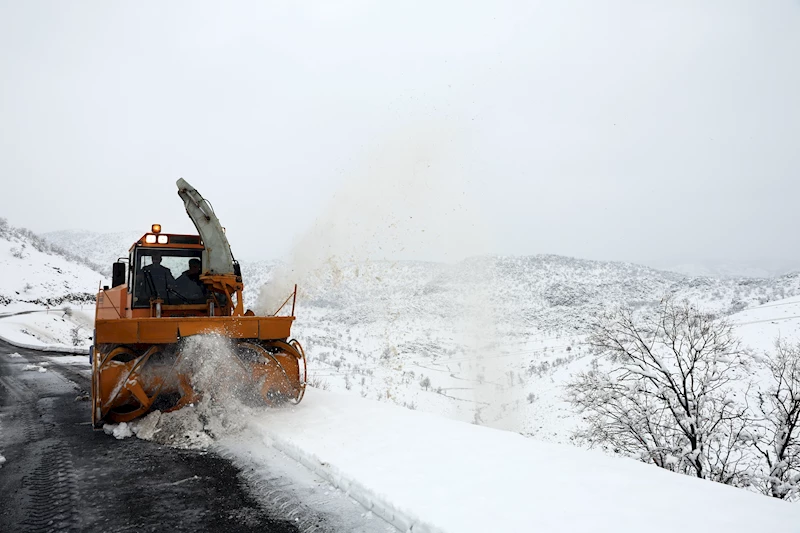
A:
156, 228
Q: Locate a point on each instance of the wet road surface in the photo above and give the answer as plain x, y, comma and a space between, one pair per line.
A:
61, 475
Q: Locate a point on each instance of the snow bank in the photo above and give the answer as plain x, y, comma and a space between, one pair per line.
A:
425, 473
33, 327
119, 431
180, 429
60, 348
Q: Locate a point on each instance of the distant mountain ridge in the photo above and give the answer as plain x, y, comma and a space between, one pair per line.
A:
731, 271
548, 292
101, 249
545, 292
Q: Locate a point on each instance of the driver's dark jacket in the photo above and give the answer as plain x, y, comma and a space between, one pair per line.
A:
191, 288
156, 281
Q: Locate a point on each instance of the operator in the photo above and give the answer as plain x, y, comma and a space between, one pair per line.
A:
189, 284
158, 280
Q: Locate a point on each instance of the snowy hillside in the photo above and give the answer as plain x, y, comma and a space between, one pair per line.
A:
46, 294
488, 339
35, 273
543, 292
101, 248
491, 341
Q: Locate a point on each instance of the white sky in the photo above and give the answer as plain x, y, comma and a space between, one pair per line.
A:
662, 132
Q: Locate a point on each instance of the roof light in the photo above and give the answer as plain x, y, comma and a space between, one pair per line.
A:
156, 228
150, 238
163, 239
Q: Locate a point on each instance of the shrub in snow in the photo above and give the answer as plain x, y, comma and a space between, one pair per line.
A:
425, 383
75, 336
318, 383
667, 396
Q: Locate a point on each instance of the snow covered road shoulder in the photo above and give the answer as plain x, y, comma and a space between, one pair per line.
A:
402, 464
49, 330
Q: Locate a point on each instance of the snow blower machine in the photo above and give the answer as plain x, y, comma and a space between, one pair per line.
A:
171, 288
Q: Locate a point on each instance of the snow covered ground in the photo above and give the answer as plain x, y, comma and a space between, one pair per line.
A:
400, 464
424, 473
34, 274
54, 329
46, 299
760, 326
477, 366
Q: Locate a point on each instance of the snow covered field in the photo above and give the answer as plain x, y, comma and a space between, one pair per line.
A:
425, 473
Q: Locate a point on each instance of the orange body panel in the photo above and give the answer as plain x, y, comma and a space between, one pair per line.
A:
233, 327
274, 327
158, 331
170, 329
112, 303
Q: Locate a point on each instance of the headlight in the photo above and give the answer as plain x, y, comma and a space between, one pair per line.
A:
163, 239
150, 239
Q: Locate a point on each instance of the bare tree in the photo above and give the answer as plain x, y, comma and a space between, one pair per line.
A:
425, 382
663, 392
777, 437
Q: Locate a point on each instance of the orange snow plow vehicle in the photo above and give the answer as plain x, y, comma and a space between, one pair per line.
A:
173, 287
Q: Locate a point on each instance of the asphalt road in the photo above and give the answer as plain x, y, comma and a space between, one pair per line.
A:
61, 475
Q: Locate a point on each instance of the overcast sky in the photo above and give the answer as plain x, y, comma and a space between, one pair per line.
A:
658, 132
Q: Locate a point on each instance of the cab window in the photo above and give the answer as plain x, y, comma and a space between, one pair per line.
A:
155, 275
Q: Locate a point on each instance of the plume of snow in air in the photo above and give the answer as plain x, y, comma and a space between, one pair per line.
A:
410, 200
